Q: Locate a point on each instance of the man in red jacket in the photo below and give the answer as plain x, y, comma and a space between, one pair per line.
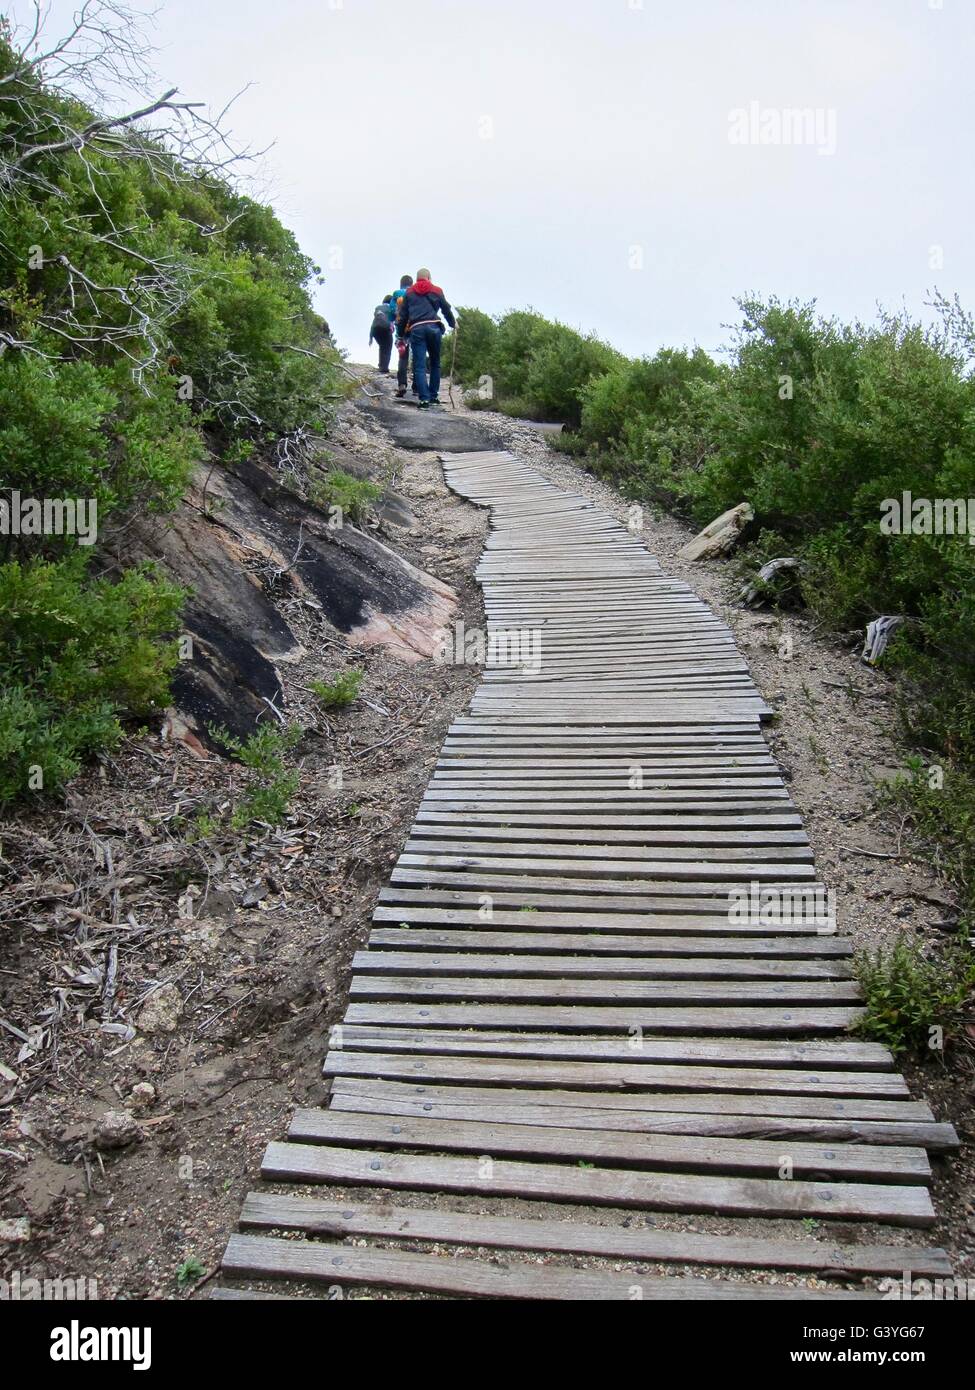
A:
418, 316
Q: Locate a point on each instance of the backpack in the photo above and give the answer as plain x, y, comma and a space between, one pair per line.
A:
380, 317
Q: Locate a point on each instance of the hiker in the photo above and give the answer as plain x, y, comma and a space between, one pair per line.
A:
402, 346
382, 332
418, 316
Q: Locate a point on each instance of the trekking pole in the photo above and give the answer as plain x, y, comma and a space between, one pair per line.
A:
453, 359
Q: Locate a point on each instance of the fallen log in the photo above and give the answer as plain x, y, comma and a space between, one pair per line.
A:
720, 536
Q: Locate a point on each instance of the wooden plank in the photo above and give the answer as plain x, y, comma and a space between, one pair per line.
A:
605, 1147
665, 911
654, 1105
314, 1216
765, 1020
938, 1138
557, 971
481, 726
842, 1053
734, 796
590, 887
485, 938
457, 836
609, 1076
472, 965
617, 826
562, 760
643, 928
636, 856
907, 1204
611, 992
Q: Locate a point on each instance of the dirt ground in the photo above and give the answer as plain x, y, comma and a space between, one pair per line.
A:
125, 1159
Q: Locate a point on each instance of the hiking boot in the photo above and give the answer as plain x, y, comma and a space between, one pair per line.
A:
401, 392
423, 405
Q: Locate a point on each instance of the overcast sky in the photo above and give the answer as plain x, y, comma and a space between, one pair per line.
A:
584, 157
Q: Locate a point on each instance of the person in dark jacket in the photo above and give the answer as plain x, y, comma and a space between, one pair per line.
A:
419, 315
382, 332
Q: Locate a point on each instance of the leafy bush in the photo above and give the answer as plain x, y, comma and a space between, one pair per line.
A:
537, 368
147, 312
909, 995
272, 784
476, 337
78, 655
340, 489
86, 431
342, 690
622, 407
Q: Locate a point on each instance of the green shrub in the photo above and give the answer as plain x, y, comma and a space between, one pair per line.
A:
560, 369
342, 690
188, 323
475, 344
537, 368
339, 489
77, 430
271, 784
629, 407
913, 1000
79, 655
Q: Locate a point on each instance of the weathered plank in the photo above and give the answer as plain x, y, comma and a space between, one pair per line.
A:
481, 938
616, 1075
909, 1205
271, 1211
653, 1104
471, 965
408, 907
938, 1138
842, 1053
765, 1020
611, 992
686, 1153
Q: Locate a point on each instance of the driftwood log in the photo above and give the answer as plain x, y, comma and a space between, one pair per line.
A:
879, 633
756, 588
720, 535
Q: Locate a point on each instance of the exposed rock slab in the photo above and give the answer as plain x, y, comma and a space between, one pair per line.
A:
240, 539
410, 428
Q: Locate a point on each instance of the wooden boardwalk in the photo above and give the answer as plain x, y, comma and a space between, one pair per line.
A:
603, 973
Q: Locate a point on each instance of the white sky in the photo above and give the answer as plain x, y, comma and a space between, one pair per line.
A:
607, 125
